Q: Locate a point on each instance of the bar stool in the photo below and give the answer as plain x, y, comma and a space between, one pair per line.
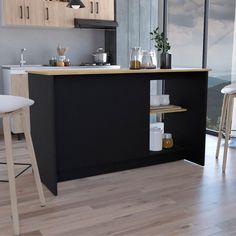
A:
229, 92
9, 106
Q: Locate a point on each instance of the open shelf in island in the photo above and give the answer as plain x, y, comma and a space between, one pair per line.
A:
166, 109
153, 158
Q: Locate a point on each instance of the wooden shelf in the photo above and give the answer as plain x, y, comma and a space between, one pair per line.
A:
167, 109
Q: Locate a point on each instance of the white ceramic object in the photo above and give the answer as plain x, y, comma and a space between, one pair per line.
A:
165, 99
155, 100
155, 142
159, 125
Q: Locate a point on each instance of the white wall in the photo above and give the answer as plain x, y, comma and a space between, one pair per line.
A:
41, 44
136, 20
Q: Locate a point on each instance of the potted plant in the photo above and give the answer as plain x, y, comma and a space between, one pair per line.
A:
162, 44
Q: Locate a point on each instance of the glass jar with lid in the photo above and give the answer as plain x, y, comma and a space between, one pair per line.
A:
167, 141
135, 58
148, 59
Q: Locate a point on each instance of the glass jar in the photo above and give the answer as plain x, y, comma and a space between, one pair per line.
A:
67, 62
60, 63
135, 58
53, 61
167, 141
148, 59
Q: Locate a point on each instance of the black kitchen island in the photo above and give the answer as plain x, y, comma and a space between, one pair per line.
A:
89, 122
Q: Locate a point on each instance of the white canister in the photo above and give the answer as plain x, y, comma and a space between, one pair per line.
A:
155, 139
159, 125
155, 100
165, 99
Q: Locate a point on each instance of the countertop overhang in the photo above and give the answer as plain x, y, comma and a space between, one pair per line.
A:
113, 71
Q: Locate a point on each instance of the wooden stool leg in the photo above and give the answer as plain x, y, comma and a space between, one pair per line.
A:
33, 158
233, 100
11, 175
228, 130
222, 121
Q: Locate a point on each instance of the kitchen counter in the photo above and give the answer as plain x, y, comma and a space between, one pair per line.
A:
88, 71
89, 122
16, 69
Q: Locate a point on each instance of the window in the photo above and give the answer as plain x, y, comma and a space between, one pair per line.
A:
220, 56
185, 32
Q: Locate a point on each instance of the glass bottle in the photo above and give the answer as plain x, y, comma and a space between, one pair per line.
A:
167, 141
135, 58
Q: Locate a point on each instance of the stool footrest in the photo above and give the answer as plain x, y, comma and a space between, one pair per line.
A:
28, 165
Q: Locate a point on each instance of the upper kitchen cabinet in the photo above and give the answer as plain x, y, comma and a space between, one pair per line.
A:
23, 12
99, 10
104, 10
56, 14
87, 12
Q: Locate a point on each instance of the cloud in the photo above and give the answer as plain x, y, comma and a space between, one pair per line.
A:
185, 12
185, 30
182, 20
222, 10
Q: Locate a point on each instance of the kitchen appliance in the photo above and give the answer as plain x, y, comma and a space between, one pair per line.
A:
95, 24
98, 65
75, 4
100, 56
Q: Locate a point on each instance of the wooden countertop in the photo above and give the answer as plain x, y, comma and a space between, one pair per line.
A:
113, 71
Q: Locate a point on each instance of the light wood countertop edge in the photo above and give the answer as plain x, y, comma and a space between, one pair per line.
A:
113, 71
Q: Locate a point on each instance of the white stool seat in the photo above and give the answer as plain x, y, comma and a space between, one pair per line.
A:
12, 103
229, 89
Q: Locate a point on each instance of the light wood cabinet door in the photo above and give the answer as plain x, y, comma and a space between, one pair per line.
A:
86, 13
14, 12
23, 12
69, 16
51, 14
56, 14
98, 9
19, 87
104, 10
33, 12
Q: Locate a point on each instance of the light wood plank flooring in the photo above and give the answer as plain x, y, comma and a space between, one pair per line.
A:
172, 199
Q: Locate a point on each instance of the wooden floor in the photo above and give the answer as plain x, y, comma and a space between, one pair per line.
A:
178, 198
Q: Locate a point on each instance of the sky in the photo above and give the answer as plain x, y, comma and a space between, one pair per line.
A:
185, 33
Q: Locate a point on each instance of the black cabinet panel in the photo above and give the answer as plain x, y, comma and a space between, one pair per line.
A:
100, 120
84, 125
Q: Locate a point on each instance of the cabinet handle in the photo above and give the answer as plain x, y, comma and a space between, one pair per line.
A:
47, 13
21, 12
28, 12
91, 7
97, 5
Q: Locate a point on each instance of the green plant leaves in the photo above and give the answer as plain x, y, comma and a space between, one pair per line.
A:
161, 42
